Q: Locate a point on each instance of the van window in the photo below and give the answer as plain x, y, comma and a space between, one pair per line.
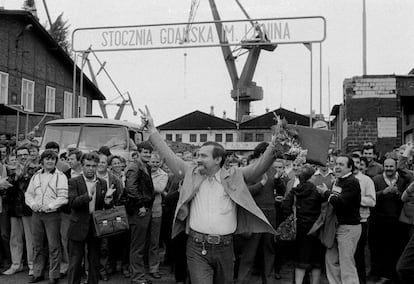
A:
93, 137
64, 135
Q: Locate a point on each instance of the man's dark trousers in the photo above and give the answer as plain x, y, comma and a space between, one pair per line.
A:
262, 244
360, 254
46, 225
5, 256
405, 265
387, 239
216, 266
139, 226
76, 254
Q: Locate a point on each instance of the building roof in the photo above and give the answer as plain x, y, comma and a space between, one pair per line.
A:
61, 55
198, 120
93, 120
267, 120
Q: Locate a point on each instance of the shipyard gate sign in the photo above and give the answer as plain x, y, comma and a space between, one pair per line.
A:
201, 34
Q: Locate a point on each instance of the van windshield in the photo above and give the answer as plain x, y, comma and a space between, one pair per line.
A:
64, 135
94, 137
90, 138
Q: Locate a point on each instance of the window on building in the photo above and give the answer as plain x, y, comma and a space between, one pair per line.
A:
248, 137
27, 98
168, 137
50, 99
178, 137
259, 137
82, 103
203, 137
219, 137
67, 105
229, 137
4, 87
193, 138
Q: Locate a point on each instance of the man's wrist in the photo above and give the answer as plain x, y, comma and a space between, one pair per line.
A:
152, 130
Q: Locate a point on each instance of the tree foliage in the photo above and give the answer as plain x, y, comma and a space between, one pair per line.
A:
60, 32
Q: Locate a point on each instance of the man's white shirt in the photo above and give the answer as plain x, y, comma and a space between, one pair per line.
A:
212, 211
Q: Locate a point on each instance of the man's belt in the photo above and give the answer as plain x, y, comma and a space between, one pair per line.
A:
210, 239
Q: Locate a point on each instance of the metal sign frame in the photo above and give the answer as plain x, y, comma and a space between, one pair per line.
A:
186, 45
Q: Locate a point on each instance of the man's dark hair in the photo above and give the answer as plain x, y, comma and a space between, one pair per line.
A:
306, 173
350, 163
52, 145
363, 159
78, 154
48, 154
368, 146
145, 145
22, 148
218, 151
63, 155
114, 157
259, 149
233, 160
355, 156
104, 150
92, 156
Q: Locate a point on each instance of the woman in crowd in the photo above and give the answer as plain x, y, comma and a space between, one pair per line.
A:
309, 252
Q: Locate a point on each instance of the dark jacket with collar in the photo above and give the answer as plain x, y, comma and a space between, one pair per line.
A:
308, 205
66, 208
138, 187
80, 218
389, 205
117, 184
348, 202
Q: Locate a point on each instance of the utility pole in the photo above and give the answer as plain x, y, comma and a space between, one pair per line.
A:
364, 39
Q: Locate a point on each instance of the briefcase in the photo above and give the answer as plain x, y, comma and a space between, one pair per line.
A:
109, 222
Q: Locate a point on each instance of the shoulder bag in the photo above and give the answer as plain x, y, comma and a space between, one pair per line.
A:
287, 229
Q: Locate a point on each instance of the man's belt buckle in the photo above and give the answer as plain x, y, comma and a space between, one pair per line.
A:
213, 239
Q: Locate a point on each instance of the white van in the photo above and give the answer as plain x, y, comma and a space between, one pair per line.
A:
90, 133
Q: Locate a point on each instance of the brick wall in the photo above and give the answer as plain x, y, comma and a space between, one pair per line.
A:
366, 99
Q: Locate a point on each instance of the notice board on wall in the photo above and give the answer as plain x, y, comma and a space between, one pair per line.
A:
387, 127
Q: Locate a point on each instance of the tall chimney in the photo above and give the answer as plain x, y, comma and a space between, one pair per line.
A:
212, 110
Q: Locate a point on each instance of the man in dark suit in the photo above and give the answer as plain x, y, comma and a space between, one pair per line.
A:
87, 193
140, 191
74, 160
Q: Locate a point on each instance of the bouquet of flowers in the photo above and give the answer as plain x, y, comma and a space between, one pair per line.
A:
287, 137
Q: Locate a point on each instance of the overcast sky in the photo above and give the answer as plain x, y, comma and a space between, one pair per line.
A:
173, 84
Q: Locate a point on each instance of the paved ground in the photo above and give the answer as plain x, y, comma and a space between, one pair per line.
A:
168, 277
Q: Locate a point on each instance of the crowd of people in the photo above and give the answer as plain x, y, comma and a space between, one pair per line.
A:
214, 213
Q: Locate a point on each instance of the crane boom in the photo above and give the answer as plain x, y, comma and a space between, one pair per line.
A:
228, 55
244, 89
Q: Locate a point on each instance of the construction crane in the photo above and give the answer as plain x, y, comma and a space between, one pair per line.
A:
102, 105
244, 89
122, 105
